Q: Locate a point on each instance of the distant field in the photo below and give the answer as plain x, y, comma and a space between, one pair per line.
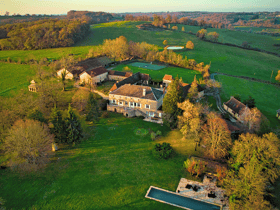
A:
14, 77
237, 37
230, 60
267, 96
186, 74
52, 53
247, 28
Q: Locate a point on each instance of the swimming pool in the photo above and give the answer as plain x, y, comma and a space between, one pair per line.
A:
175, 199
175, 48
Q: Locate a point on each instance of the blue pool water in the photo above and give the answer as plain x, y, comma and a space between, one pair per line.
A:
181, 200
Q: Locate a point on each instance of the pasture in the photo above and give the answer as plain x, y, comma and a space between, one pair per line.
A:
267, 97
186, 74
14, 77
264, 42
111, 169
230, 60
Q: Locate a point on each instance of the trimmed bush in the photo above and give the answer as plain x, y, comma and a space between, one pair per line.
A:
162, 151
153, 135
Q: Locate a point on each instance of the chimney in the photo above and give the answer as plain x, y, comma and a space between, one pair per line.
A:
144, 92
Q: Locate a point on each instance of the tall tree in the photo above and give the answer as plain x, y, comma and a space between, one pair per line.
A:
191, 120
250, 102
170, 108
59, 126
190, 45
28, 143
216, 137
252, 119
92, 109
277, 78
73, 127
193, 91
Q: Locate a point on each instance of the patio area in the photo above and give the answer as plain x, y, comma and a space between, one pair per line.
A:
206, 191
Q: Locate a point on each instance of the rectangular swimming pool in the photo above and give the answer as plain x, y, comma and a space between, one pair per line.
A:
175, 199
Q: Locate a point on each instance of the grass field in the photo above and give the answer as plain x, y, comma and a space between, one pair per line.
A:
51, 54
224, 59
186, 74
14, 77
238, 37
111, 169
247, 28
267, 96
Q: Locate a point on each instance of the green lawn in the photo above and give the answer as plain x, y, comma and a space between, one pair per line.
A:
267, 96
51, 53
237, 37
186, 74
224, 59
111, 169
14, 77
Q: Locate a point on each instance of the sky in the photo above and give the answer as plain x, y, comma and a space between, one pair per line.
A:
119, 6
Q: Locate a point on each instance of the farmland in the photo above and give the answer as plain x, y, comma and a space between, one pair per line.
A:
14, 77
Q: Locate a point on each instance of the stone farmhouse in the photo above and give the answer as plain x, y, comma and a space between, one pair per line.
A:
118, 75
135, 79
85, 65
136, 100
235, 107
94, 76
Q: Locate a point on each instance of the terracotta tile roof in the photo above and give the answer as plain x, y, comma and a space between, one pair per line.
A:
235, 105
167, 77
137, 92
184, 84
97, 71
232, 127
120, 73
130, 80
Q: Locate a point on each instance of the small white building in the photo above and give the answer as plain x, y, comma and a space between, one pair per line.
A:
94, 76
69, 75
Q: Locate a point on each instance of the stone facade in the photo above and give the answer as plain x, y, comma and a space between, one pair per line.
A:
69, 75
85, 77
140, 105
235, 107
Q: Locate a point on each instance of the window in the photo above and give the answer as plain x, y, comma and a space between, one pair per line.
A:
113, 101
131, 104
159, 114
120, 103
125, 103
151, 114
138, 105
147, 106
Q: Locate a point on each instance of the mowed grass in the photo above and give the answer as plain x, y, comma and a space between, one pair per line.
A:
237, 37
267, 97
230, 60
51, 54
14, 77
157, 75
111, 169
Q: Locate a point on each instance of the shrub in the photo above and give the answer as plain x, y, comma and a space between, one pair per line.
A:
175, 27
190, 45
153, 135
165, 42
158, 133
126, 68
162, 151
105, 114
195, 166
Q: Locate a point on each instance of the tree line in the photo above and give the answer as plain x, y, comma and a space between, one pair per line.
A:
121, 49
43, 34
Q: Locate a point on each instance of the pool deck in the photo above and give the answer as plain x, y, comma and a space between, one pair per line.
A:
202, 193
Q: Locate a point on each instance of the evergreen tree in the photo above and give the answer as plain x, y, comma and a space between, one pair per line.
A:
92, 109
173, 96
73, 127
193, 91
59, 126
